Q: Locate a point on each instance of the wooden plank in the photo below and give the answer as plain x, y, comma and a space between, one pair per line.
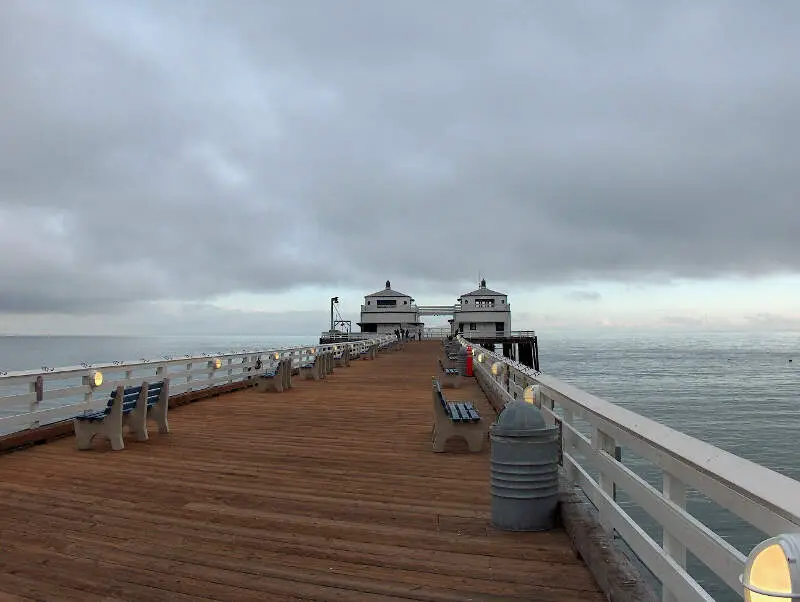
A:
329, 491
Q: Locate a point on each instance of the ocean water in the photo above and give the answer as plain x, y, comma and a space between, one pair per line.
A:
31, 353
737, 391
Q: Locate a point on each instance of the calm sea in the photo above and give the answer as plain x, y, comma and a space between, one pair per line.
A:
737, 391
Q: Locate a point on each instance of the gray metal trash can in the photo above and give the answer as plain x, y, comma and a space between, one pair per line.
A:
524, 478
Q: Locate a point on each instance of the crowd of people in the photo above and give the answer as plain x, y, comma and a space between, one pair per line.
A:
407, 335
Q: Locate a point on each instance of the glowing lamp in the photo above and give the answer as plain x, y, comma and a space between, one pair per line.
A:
216, 363
497, 368
771, 573
480, 358
277, 356
313, 351
95, 378
531, 394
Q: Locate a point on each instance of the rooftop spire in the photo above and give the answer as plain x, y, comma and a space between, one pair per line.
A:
388, 284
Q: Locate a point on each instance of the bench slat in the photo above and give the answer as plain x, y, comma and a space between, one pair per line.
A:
473, 413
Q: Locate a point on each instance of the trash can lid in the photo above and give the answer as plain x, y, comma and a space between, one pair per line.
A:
519, 419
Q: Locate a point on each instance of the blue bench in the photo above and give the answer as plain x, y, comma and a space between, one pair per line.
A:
456, 419
277, 378
451, 376
313, 370
342, 357
126, 406
370, 352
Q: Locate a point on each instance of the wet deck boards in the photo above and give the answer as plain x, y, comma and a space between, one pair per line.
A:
326, 492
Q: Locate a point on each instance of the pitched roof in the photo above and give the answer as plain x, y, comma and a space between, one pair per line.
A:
482, 291
387, 292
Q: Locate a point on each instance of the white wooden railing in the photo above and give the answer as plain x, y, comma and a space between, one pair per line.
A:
764, 499
37, 397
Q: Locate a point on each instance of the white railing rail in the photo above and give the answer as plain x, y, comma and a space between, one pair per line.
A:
765, 499
33, 398
499, 334
436, 333
348, 336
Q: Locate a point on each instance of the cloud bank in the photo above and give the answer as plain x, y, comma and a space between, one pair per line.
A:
186, 150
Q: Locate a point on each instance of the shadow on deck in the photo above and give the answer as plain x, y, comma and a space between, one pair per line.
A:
329, 491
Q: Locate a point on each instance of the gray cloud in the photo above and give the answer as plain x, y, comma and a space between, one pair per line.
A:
584, 296
183, 150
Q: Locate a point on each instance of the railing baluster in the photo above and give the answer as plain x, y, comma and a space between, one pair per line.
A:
603, 443
568, 444
675, 491
37, 388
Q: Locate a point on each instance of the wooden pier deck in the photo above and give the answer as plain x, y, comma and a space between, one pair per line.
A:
329, 491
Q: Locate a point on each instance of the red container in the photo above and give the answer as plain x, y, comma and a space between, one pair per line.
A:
469, 362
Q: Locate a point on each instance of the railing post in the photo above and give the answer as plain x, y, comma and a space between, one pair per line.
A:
189, 377
675, 491
37, 388
547, 402
230, 370
604, 443
567, 444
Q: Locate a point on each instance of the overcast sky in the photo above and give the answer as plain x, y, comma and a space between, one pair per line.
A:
176, 166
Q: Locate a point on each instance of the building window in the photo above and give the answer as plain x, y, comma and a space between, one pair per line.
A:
473, 326
369, 302
484, 303
466, 301
387, 302
405, 302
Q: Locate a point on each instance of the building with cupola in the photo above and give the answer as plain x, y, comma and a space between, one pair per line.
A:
482, 312
388, 310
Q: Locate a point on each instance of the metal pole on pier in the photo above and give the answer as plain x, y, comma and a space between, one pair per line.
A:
334, 300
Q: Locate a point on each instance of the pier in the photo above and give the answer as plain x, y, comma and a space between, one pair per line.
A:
327, 491
330, 490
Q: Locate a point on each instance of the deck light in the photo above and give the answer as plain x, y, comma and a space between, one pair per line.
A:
497, 368
480, 358
95, 378
531, 394
277, 356
771, 573
313, 351
216, 363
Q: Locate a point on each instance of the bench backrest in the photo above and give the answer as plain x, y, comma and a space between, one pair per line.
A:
437, 388
154, 393
130, 397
